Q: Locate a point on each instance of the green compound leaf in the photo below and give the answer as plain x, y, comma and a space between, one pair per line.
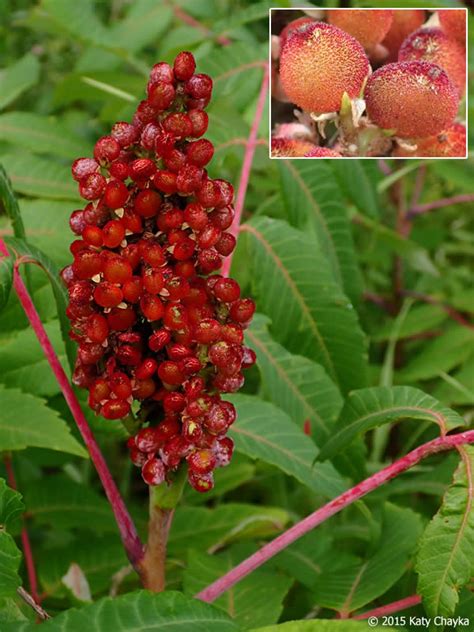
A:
263, 431
445, 562
26, 421
257, 600
295, 384
373, 407
350, 588
41, 134
136, 612
17, 78
314, 202
310, 314
39, 177
11, 507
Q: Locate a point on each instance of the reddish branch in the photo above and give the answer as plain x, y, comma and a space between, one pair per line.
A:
128, 533
25, 540
395, 606
247, 164
419, 209
184, 17
238, 573
452, 313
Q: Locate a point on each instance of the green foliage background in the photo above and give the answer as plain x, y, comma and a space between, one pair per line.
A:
317, 252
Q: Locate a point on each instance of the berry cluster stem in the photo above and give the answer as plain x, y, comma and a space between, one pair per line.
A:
247, 163
163, 500
128, 532
214, 590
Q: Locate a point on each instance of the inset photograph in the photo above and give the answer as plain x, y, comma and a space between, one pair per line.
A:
366, 83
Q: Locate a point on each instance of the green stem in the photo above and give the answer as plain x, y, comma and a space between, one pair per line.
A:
163, 500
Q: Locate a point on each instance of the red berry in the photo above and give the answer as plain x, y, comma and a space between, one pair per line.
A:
184, 66
142, 169
165, 181
169, 373
178, 124
114, 233
174, 402
77, 222
199, 121
207, 331
119, 170
115, 409
97, 328
132, 289
153, 281
199, 86
147, 203
106, 149
92, 235
124, 133
162, 72
147, 440
159, 339
227, 290
242, 310
152, 254
153, 472
200, 152
87, 264
201, 482
121, 319
201, 461
226, 244
107, 294
83, 167
117, 270
223, 449
120, 385
92, 186
146, 369
151, 307
161, 95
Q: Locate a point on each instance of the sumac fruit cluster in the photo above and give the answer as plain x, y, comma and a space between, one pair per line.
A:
159, 331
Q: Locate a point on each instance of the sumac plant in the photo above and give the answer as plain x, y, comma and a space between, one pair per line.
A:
133, 366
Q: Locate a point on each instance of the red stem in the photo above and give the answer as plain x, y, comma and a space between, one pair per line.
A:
247, 164
228, 580
419, 209
395, 606
25, 540
190, 21
128, 533
452, 313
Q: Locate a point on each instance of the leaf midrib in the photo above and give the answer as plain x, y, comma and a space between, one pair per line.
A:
299, 297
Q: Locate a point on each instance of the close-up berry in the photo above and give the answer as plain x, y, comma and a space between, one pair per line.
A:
403, 23
160, 334
432, 45
453, 23
319, 63
291, 148
414, 99
368, 26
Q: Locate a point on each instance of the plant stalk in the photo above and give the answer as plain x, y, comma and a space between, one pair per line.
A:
217, 588
128, 532
163, 500
247, 164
